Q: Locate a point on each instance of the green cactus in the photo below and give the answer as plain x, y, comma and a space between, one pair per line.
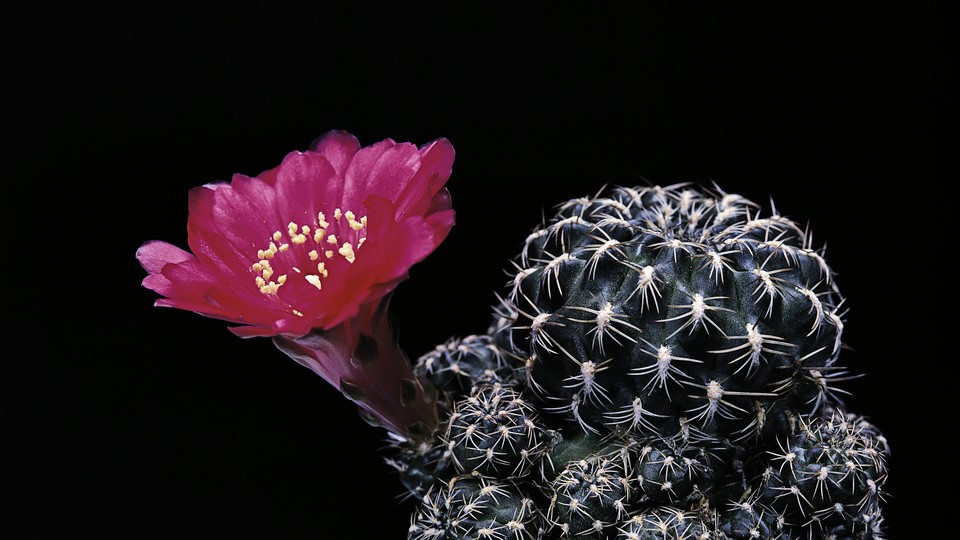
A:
829, 474
476, 508
664, 523
639, 307
664, 363
495, 433
675, 474
461, 364
591, 496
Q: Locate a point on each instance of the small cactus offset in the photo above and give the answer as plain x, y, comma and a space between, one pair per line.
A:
664, 363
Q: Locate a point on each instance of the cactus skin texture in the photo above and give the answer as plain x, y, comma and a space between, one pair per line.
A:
643, 306
470, 508
495, 432
664, 363
461, 364
590, 496
829, 473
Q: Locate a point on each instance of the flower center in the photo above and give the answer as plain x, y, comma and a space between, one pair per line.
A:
306, 250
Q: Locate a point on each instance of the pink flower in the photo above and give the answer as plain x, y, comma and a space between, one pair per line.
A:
304, 245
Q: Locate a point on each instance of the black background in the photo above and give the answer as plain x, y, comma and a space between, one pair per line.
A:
127, 421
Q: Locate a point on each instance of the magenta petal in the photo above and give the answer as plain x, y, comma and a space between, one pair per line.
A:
154, 254
440, 202
434, 171
338, 148
204, 236
304, 181
436, 163
360, 173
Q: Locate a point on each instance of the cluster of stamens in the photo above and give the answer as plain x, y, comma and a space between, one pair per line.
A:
343, 236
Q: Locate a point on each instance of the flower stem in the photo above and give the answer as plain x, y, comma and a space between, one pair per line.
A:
362, 359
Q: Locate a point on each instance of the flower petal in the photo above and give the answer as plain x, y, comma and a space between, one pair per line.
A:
338, 147
304, 181
154, 254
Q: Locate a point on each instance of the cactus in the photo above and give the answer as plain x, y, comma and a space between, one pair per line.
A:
469, 508
829, 473
590, 496
664, 362
459, 365
644, 306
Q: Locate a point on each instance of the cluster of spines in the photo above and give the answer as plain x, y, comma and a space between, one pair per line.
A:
674, 474
828, 475
495, 432
824, 481
476, 508
590, 496
460, 364
664, 523
458, 369
419, 466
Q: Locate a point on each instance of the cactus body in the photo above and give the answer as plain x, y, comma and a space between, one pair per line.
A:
664, 363
591, 496
495, 433
640, 307
830, 473
469, 508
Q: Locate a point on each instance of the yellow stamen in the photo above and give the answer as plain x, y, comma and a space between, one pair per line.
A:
347, 251
314, 280
270, 288
302, 234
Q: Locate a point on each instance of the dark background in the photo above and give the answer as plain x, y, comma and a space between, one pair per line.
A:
135, 422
